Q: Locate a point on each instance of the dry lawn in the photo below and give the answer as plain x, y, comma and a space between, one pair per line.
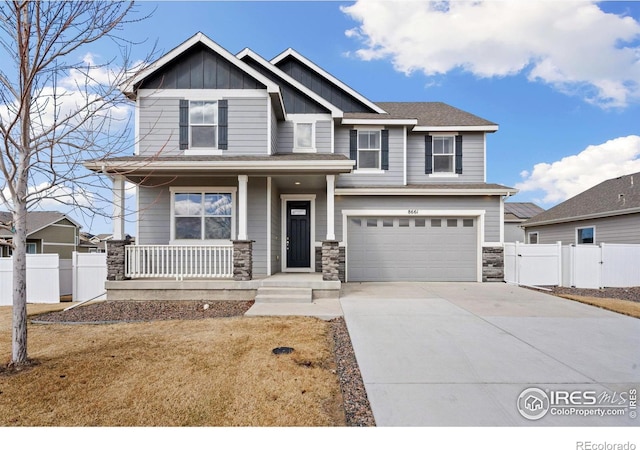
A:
626, 307
211, 372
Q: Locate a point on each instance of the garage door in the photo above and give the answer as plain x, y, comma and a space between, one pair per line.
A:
412, 249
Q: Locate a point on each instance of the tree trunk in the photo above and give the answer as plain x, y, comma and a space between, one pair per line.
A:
19, 333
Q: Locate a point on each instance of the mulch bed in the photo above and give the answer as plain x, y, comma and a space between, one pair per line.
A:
630, 293
356, 404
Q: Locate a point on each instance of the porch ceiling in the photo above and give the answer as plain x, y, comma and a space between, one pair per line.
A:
134, 167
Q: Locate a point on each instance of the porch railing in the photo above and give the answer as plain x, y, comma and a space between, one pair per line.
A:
179, 261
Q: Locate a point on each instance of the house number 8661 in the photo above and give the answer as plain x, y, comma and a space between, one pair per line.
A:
413, 212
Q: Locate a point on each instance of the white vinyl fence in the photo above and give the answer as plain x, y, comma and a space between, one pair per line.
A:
582, 266
43, 279
48, 278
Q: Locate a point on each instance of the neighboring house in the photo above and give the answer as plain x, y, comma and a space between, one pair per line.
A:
515, 214
608, 212
95, 243
301, 172
47, 232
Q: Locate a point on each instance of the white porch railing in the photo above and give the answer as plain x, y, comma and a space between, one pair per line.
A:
179, 261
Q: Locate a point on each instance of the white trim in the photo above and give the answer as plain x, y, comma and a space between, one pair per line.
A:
421, 191
484, 157
284, 198
333, 136
198, 38
328, 76
269, 269
269, 124
62, 244
537, 237
479, 214
502, 219
203, 94
368, 171
331, 188
118, 207
243, 207
295, 148
335, 111
444, 174
137, 216
201, 190
136, 128
224, 166
61, 225
404, 155
350, 121
489, 128
199, 151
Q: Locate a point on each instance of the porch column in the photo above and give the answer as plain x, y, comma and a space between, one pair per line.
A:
118, 208
331, 190
243, 181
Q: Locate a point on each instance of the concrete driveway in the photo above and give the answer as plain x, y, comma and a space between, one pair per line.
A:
461, 354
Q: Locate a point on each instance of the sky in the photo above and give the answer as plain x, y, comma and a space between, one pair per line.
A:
562, 79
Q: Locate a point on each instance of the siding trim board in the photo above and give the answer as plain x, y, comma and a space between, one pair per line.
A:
585, 217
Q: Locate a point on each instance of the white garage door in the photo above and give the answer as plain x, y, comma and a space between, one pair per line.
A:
412, 249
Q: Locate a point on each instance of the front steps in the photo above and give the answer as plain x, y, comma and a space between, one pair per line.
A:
266, 294
297, 295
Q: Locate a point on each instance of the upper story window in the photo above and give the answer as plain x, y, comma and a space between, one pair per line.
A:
533, 237
203, 124
443, 154
203, 215
586, 235
369, 149
304, 136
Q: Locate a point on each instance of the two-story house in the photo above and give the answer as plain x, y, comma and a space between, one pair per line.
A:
247, 167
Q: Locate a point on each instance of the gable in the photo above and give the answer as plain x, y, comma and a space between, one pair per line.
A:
321, 86
199, 68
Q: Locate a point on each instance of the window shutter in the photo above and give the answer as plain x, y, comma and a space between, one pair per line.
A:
428, 154
459, 153
223, 122
353, 145
384, 162
184, 124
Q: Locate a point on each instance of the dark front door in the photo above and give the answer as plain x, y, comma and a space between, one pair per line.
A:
298, 234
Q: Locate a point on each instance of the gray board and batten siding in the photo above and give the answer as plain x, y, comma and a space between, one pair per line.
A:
623, 229
159, 125
295, 102
321, 86
200, 68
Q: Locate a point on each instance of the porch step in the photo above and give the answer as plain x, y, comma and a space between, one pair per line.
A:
267, 294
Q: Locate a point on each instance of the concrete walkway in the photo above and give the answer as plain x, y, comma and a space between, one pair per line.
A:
460, 354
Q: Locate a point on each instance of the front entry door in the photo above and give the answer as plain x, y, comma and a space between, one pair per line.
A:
298, 234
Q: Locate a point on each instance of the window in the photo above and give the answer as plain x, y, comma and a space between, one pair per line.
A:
443, 154
202, 215
304, 136
369, 149
436, 223
533, 237
32, 249
203, 124
467, 223
452, 223
585, 235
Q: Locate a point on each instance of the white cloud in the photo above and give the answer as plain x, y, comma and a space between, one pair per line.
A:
573, 46
573, 174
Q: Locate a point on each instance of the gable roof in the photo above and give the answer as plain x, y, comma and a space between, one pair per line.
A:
520, 211
427, 116
128, 87
248, 53
326, 75
613, 197
36, 220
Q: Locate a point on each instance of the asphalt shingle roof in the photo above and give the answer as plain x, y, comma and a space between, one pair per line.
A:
36, 220
614, 196
435, 114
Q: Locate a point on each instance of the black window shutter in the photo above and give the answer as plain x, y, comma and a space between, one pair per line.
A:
428, 154
223, 124
384, 163
459, 153
184, 124
353, 145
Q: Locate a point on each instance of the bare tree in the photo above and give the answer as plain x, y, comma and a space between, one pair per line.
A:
58, 107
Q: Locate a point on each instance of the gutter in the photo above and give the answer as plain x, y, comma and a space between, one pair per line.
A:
584, 217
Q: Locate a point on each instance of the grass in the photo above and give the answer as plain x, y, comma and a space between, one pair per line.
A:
626, 307
211, 372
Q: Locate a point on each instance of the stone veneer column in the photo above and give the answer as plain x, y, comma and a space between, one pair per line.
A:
492, 264
330, 261
116, 259
242, 260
